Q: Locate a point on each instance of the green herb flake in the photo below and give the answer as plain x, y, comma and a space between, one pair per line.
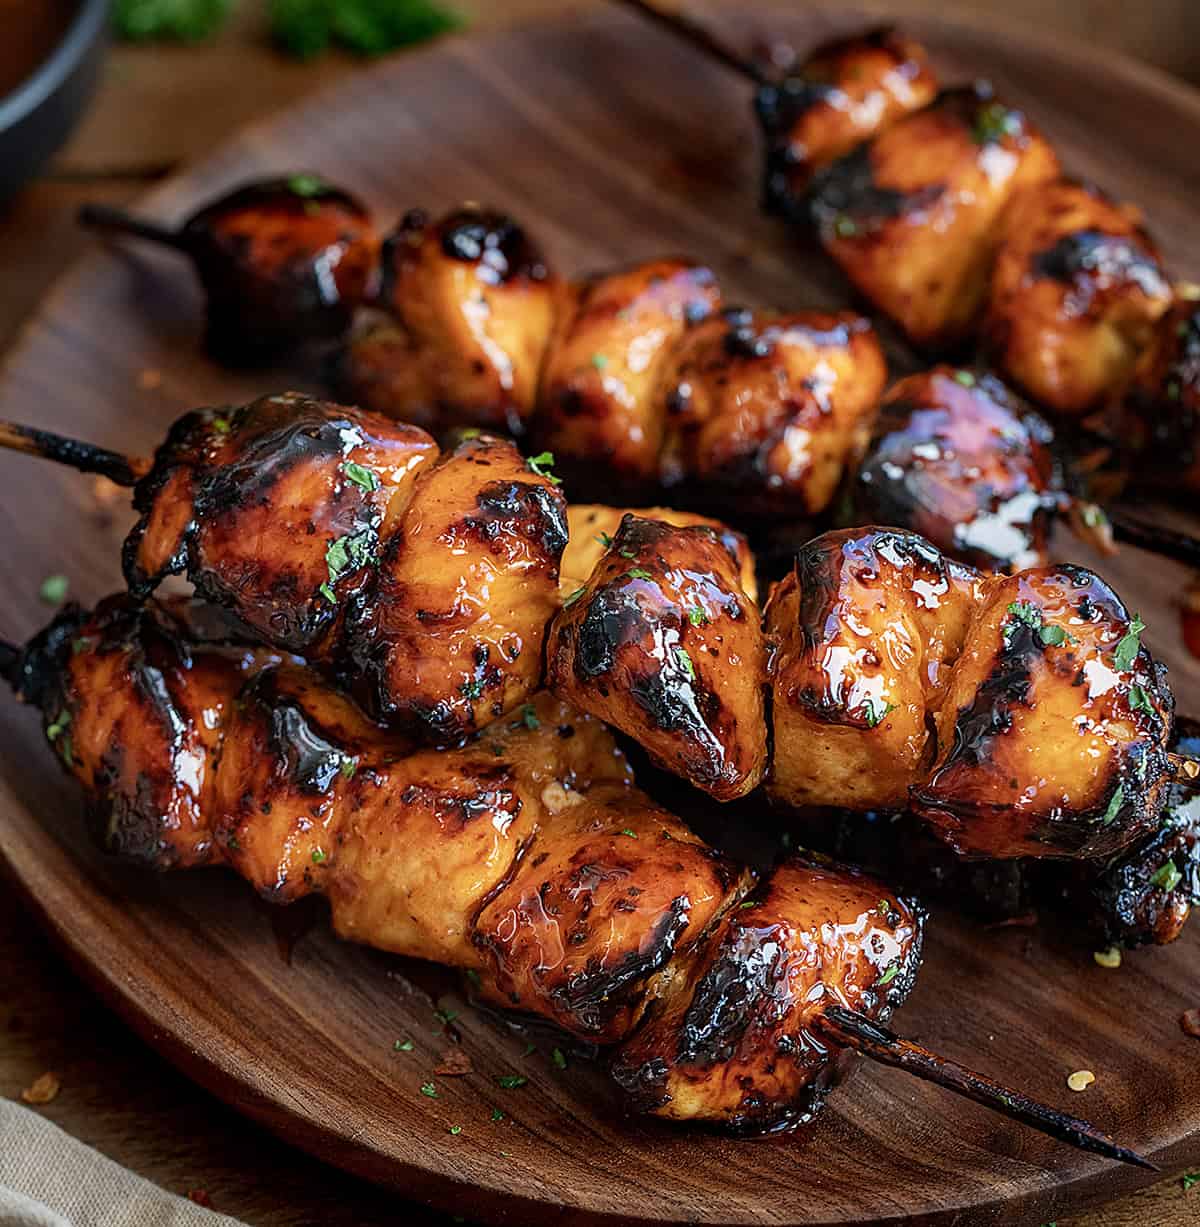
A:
221, 425
965, 378
629, 834
1023, 611
455, 1130
559, 1058
638, 573
511, 1082
530, 1049
599, 361
1114, 805
445, 1017
893, 970
994, 122
403, 1046
305, 28
1055, 636
697, 616
366, 478
1139, 700
345, 555
685, 663
605, 540
59, 725
541, 464
747, 903
184, 21
1127, 648
429, 1090
348, 766
54, 589
844, 226
497, 1115
570, 600
318, 856
1188, 1179
307, 185
530, 717
873, 716
1167, 877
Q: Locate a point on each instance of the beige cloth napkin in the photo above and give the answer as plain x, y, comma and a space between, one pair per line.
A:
48, 1179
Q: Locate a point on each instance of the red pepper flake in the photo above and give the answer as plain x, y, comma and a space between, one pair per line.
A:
200, 1197
1189, 1023
454, 1063
43, 1090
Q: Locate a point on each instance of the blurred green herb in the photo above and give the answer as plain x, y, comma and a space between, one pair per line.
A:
187, 21
305, 28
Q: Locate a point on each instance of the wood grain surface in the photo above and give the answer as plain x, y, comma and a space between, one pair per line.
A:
612, 143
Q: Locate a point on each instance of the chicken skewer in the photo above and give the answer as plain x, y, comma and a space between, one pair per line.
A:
660, 638
482, 858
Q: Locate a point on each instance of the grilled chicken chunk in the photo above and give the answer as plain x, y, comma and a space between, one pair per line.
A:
275, 510
592, 526
473, 304
1077, 287
846, 92
1054, 730
735, 1038
864, 631
957, 459
450, 635
1159, 410
604, 365
913, 217
663, 644
767, 412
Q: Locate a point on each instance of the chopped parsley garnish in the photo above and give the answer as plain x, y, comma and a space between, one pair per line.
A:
529, 716
429, 1090
455, 1130
344, 556
530, 1049
403, 1046
994, 122
541, 464
965, 378
685, 663
1167, 877
54, 589
497, 1115
185, 21
844, 226
1049, 634
747, 903
627, 553
511, 1082
318, 856
605, 540
570, 600
360, 476
1139, 700
1131, 641
638, 573
221, 425
1114, 805
1054, 636
627, 832
445, 1017
1189, 1179
348, 766
307, 185
889, 975
599, 361
697, 616
473, 977
559, 1058
874, 717
59, 725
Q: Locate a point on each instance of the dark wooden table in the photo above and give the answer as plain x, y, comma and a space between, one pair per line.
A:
117, 1095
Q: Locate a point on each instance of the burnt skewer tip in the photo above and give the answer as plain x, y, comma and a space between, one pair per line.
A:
116, 221
852, 1030
1185, 771
86, 457
1154, 538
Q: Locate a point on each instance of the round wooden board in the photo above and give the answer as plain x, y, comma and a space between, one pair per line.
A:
612, 143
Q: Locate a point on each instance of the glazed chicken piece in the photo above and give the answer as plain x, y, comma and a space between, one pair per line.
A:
663, 644
275, 510
473, 304
846, 92
863, 631
615, 333
736, 1037
1054, 730
1076, 289
913, 217
592, 526
1158, 412
282, 261
957, 459
450, 635
765, 413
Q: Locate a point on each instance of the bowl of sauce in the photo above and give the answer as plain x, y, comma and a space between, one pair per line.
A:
50, 53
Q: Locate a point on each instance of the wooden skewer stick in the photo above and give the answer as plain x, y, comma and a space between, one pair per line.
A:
852, 1030
1157, 540
86, 457
699, 36
117, 221
1185, 770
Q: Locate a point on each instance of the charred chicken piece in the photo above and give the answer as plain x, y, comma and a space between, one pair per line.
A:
604, 364
593, 525
863, 633
472, 304
767, 412
913, 217
282, 261
275, 510
1077, 287
1159, 410
1053, 733
737, 1037
663, 644
957, 459
846, 92
449, 635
